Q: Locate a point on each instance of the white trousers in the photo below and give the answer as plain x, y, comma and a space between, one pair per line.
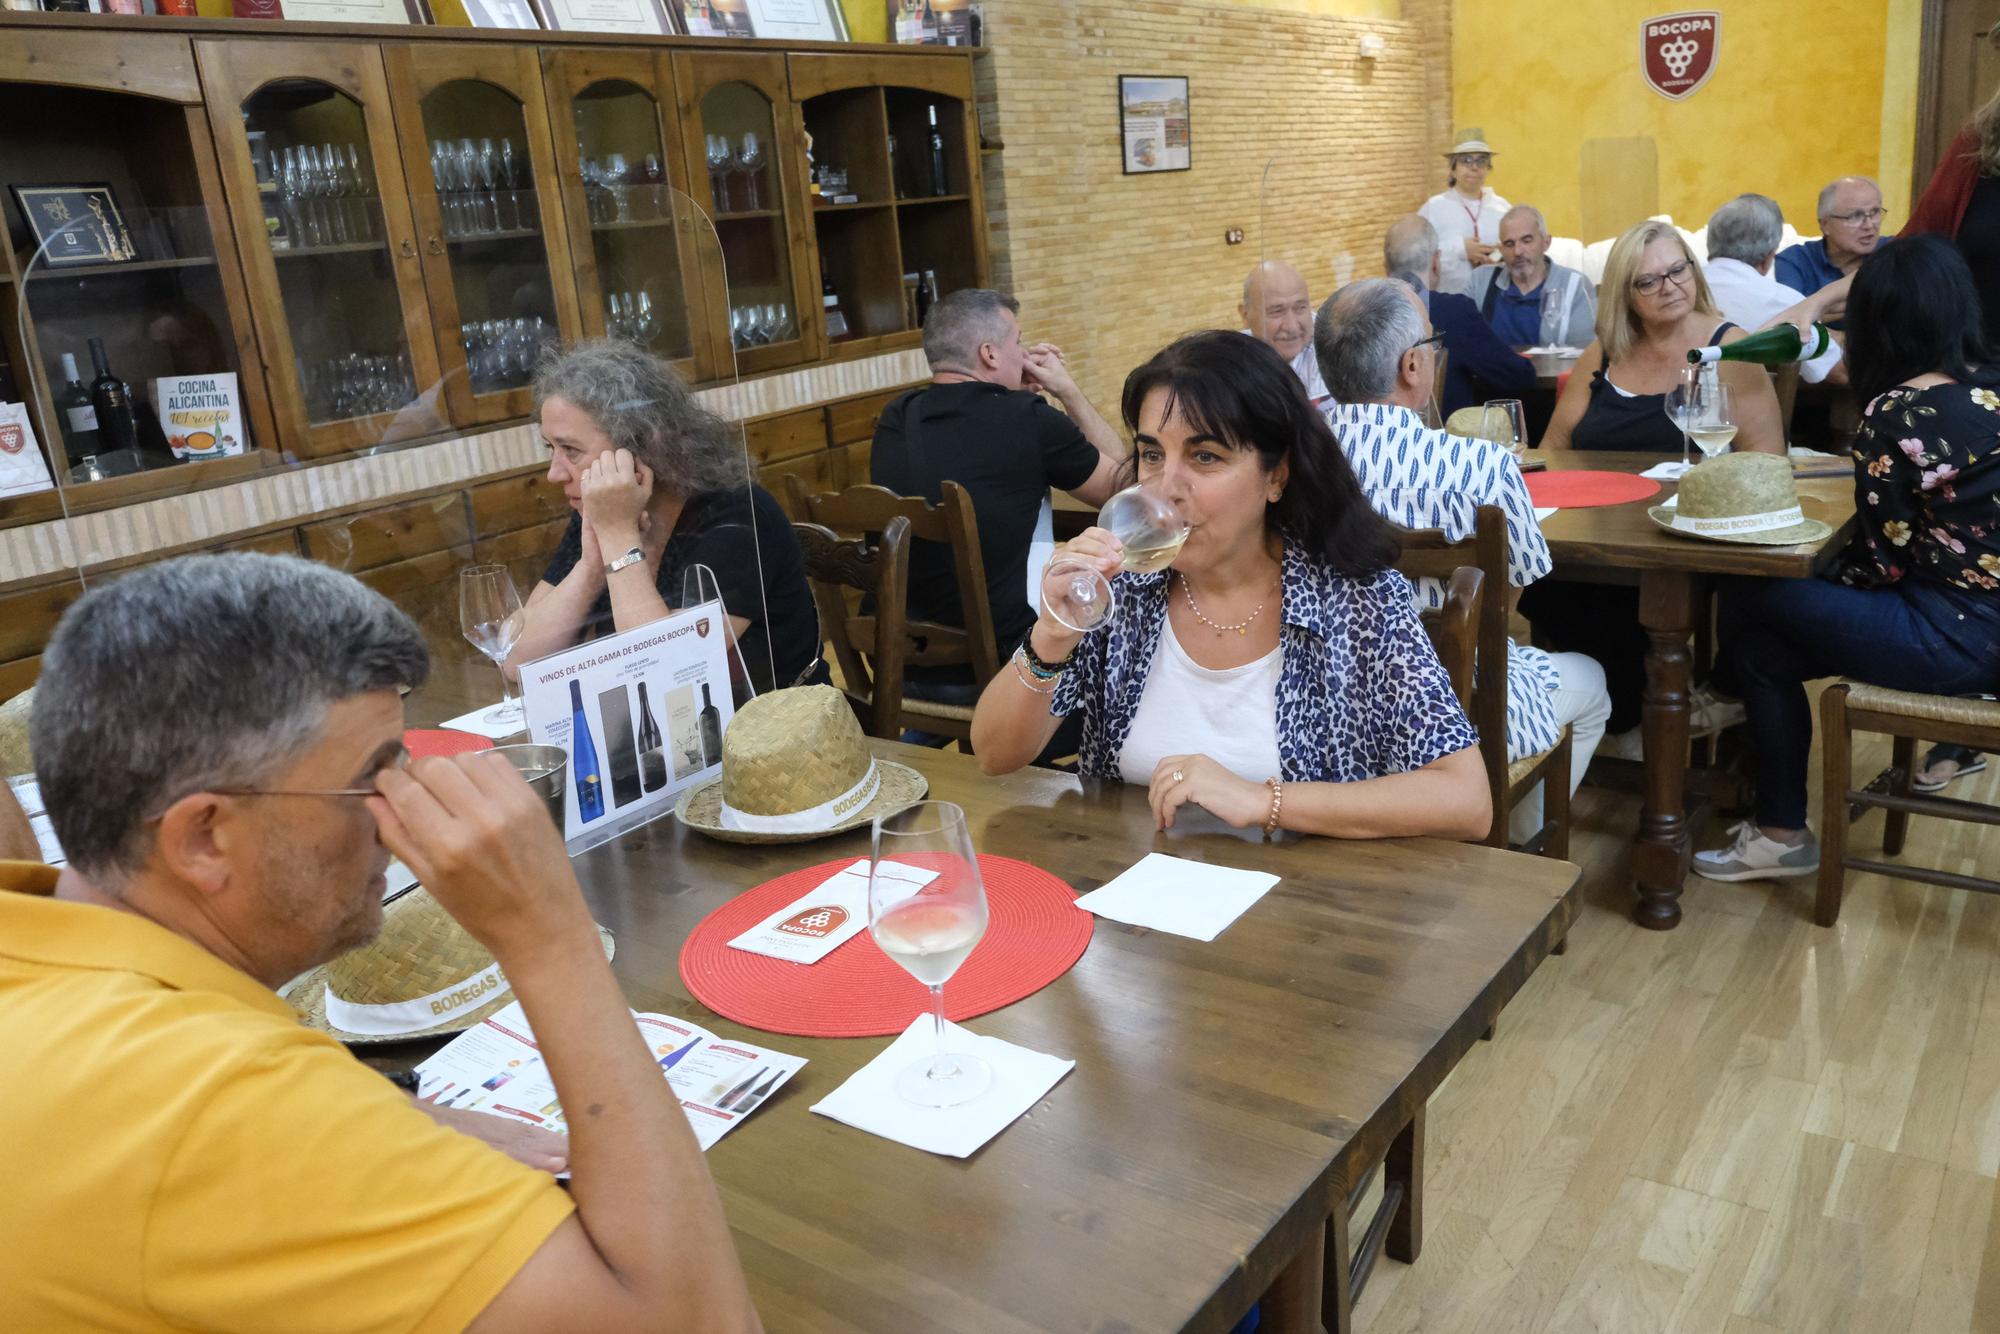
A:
1583, 702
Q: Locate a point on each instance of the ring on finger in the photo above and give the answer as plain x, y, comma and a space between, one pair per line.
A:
1179, 777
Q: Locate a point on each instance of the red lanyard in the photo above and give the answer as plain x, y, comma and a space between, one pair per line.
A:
1471, 214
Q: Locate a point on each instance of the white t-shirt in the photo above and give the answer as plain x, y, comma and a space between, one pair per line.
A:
1306, 366
1231, 715
1456, 219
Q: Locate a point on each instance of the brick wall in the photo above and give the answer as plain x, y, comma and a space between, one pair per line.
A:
1111, 266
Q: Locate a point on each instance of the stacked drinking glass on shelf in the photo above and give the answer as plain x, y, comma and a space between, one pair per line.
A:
756, 325
629, 315
617, 190
483, 190
327, 198
356, 385
501, 354
726, 164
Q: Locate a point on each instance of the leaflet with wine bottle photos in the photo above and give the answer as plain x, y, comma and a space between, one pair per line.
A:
496, 1067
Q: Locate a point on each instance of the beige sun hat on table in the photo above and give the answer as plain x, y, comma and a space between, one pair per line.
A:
1476, 423
1471, 139
795, 767
1740, 498
423, 975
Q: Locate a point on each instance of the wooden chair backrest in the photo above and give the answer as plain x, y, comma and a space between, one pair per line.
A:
1454, 630
869, 648
864, 510
1427, 552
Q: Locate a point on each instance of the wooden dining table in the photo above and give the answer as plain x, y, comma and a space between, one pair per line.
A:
1227, 1096
1622, 544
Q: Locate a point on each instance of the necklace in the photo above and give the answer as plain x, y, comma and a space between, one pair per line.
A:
1241, 627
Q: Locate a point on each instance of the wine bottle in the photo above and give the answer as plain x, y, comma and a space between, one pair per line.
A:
927, 23
938, 185
1776, 346
829, 300
111, 400
652, 762
710, 722
76, 418
929, 290
583, 759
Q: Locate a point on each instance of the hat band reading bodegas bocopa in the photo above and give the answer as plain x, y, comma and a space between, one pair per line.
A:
813, 819
1739, 523
399, 1017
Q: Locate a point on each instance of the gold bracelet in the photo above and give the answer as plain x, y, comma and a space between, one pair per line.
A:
1026, 684
1277, 804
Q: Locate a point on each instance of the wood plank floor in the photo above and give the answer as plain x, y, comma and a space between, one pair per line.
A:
1749, 1124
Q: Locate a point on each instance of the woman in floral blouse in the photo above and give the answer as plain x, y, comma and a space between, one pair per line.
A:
1914, 603
1276, 673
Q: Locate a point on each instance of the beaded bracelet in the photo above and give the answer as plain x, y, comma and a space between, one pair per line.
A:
1028, 683
1046, 671
1277, 804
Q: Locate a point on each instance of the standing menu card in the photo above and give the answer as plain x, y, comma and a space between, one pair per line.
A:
640, 715
22, 468
496, 1067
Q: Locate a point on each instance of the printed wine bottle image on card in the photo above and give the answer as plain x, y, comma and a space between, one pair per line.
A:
684, 732
711, 730
614, 710
652, 751
583, 760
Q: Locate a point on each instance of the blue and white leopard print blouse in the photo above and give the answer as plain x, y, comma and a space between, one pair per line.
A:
1361, 693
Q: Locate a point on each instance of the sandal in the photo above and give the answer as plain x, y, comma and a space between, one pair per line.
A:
1968, 762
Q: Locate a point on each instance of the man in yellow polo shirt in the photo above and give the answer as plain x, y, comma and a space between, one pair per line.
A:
218, 741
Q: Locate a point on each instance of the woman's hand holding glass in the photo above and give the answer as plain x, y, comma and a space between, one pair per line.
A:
616, 490
1139, 527
1181, 779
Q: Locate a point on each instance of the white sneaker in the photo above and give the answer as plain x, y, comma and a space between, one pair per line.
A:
1627, 745
1709, 713
1754, 857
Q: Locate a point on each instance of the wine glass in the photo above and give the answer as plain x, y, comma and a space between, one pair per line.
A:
1680, 401
719, 159
750, 158
1149, 526
1712, 421
1555, 317
927, 910
1504, 414
489, 611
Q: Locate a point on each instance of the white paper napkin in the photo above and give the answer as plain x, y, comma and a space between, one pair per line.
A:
1174, 894
1555, 350
1671, 471
480, 720
868, 1100
1543, 515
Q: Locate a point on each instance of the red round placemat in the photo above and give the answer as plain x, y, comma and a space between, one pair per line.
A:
1584, 490
1034, 933
422, 742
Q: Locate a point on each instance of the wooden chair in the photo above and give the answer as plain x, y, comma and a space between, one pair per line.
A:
1429, 553
864, 510
1454, 630
869, 648
1848, 707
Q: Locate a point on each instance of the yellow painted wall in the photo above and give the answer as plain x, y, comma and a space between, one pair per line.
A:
1800, 94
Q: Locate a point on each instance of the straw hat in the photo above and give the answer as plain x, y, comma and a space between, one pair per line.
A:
1740, 498
1471, 139
795, 767
423, 975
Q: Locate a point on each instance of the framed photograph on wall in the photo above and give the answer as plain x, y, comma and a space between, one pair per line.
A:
643, 16
1153, 122
75, 224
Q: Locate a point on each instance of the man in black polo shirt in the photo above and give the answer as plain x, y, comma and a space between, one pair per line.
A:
977, 423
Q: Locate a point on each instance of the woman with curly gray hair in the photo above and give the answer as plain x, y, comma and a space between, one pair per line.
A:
659, 484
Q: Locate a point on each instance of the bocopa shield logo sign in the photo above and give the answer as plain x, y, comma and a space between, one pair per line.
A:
1677, 51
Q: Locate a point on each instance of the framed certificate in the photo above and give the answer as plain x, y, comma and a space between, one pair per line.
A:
647, 16
356, 11
491, 13
797, 20
75, 224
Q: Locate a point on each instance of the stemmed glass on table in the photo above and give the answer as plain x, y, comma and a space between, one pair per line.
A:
1506, 414
1149, 526
1704, 410
489, 611
929, 928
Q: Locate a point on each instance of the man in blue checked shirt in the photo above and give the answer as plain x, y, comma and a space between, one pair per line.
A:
1376, 351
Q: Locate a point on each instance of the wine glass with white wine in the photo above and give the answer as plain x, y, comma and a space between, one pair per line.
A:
1712, 421
1152, 530
927, 910
489, 611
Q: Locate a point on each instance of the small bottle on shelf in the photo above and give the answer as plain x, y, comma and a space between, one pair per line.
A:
939, 185
927, 23
75, 417
111, 401
829, 300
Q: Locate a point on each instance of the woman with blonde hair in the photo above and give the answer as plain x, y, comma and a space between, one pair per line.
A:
1653, 308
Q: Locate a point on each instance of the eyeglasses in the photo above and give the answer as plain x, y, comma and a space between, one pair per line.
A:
1433, 341
1648, 283
1474, 160
1859, 218
401, 761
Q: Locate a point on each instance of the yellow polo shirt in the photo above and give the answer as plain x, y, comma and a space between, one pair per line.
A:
187, 1155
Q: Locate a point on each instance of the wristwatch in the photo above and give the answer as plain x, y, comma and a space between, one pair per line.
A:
632, 557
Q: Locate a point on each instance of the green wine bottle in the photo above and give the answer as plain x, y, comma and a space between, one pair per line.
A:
1779, 345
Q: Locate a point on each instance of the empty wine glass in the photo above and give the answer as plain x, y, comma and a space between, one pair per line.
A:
927, 910
644, 322
1149, 526
1506, 424
1679, 404
719, 159
489, 612
618, 177
750, 158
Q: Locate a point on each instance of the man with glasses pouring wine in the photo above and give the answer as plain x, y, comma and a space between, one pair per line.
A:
1235, 636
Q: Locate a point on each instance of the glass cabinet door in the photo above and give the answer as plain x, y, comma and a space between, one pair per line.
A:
323, 220
477, 157
625, 190
743, 136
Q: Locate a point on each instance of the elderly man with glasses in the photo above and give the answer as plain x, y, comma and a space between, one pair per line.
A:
1850, 214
